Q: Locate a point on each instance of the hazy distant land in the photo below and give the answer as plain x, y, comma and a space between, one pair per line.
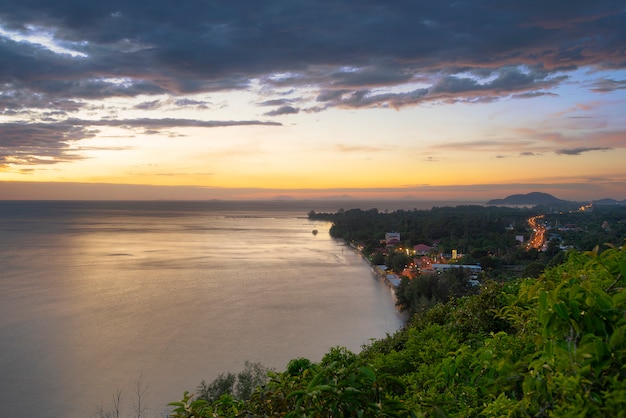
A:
539, 198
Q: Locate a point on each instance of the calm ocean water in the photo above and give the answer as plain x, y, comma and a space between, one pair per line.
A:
96, 297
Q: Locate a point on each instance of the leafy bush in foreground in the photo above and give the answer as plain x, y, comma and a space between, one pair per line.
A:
548, 347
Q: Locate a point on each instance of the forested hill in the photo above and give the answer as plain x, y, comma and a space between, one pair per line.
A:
553, 346
533, 198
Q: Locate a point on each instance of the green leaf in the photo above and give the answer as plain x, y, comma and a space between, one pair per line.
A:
574, 308
316, 379
369, 373
322, 388
619, 300
603, 300
299, 392
543, 301
574, 290
561, 309
622, 268
617, 338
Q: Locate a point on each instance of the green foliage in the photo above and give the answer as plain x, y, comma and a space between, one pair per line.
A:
338, 386
221, 385
377, 259
225, 406
297, 366
425, 291
398, 261
534, 269
478, 315
485, 235
468, 227
253, 376
552, 346
548, 347
579, 346
588, 232
238, 386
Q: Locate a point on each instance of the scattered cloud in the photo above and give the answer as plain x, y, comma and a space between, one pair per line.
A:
167, 123
533, 94
578, 151
607, 85
276, 102
39, 143
283, 110
24, 143
155, 104
192, 103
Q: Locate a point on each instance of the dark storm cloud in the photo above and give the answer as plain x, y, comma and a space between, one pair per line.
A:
578, 151
506, 80
348, 54
190, 46
377, 76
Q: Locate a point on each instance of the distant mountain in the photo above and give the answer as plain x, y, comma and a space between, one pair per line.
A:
533, 198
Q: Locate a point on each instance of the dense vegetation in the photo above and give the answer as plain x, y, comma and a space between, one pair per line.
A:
461, 227
552, 346
484, 235
544, 340
416, 296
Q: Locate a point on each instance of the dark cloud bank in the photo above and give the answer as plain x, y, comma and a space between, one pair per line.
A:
448, 51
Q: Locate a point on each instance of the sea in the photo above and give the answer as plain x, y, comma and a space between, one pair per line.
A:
139, 301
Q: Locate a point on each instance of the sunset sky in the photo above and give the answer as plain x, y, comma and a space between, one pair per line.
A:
154, 99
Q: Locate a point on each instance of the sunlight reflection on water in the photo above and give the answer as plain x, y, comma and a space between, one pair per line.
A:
95, 296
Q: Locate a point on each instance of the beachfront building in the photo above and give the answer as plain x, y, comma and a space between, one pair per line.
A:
474, 269
421, 249
392, 239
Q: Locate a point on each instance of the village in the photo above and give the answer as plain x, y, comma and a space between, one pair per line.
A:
425, 259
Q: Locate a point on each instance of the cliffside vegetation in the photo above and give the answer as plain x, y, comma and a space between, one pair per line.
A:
552, 346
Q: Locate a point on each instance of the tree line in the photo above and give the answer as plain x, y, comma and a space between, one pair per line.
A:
484, 235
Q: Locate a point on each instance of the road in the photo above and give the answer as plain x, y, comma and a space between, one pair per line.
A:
538, 237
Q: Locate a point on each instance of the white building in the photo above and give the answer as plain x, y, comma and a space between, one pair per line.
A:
474, 269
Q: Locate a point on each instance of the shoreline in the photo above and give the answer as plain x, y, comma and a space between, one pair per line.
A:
391, 280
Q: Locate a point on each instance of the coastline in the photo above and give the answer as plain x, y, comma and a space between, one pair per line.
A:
262, 287
391, 280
